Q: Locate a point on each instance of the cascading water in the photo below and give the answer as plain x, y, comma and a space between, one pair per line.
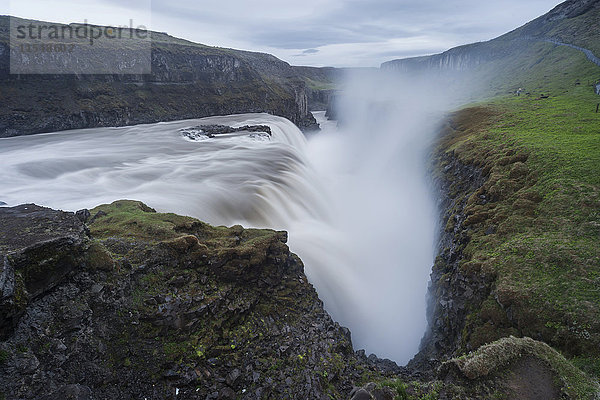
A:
354, 199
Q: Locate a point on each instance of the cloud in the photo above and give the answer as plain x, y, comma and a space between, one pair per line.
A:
344, 32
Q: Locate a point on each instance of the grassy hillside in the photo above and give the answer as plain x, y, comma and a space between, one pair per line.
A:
523, 58
574, 22
535, 223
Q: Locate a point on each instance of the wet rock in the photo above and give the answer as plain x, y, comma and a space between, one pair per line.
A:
362, 394
233, 376
371, 391
227, 393
491, 230
26, 363
99, 214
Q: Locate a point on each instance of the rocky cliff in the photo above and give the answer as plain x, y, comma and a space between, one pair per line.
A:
122, 302
188, 80
321, 84
506, 265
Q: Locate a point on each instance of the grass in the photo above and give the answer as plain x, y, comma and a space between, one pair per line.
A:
541, 158
133, 219
320, 85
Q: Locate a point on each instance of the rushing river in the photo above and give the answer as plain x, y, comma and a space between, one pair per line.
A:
355, 200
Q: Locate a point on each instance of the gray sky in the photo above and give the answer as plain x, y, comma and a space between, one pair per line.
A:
309, 32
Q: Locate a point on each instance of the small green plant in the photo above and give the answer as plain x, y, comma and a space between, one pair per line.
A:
3, 357
200, 351
399, 387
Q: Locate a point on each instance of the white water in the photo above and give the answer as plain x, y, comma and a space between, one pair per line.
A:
355, 200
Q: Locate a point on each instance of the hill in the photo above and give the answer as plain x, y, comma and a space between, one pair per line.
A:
527, 57
188, 80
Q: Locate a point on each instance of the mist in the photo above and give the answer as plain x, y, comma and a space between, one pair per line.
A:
373, 278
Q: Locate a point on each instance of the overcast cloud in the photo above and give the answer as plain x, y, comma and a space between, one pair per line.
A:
310, 32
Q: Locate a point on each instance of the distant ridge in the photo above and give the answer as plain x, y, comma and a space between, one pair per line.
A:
516, 56
188, 80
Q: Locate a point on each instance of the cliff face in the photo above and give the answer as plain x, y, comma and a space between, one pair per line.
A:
461, 58
321, 84
454, 291
121, 302
514, 257
137, 304
187, 81
514, 56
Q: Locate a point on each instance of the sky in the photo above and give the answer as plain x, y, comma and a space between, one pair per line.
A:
338, 33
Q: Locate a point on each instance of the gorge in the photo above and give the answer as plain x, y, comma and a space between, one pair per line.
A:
321, 190
447, 222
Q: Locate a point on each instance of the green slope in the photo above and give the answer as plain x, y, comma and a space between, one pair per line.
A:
532, 230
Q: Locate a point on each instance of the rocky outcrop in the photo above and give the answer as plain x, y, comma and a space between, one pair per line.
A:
188, 80
159, 306
521, 367
31, 264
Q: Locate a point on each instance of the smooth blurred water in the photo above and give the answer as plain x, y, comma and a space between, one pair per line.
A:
355, 200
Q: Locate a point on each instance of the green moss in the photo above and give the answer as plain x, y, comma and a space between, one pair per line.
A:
398, 387
504, 352
133, 219
99, 258
590, 365
4, 355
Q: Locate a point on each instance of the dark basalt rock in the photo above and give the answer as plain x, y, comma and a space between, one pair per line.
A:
188, 81
38, 249
450, 291
211, 131
83, 215
188, 311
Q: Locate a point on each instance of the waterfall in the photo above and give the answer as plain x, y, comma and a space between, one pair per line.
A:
354, 199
